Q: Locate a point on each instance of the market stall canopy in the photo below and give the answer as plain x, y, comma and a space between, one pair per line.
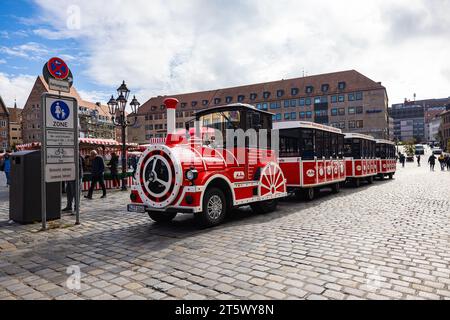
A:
82, 141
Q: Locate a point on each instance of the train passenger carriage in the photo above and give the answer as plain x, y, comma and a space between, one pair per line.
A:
386, 161
311, 157
360, 160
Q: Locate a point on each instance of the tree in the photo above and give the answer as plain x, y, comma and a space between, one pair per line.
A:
410, 148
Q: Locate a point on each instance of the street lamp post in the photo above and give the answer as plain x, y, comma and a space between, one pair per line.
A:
117, 110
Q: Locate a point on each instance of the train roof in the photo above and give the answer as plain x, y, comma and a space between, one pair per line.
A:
306, 125
231, 107
385, 142
359, 136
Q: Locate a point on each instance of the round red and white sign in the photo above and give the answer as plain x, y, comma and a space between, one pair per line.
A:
58, 68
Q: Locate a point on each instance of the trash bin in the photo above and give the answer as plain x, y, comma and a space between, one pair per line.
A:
25, 190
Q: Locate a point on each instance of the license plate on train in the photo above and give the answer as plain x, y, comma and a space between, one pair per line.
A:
136, 208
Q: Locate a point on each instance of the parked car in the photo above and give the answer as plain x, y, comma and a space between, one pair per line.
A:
437, 151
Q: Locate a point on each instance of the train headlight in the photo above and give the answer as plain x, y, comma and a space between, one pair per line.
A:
191, 174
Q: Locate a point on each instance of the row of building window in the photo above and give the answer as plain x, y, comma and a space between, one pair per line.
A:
160, 116
319, 113
308, 101
352, 124
150, 136
3, 123
280, 93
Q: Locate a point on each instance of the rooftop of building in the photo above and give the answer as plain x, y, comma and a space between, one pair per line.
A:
354, 81
102, 109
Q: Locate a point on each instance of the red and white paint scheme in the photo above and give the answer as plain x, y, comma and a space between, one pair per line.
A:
311, 157
386, 161
199, 175
360, 160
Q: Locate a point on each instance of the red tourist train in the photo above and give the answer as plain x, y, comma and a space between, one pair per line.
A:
205, 175
207, 172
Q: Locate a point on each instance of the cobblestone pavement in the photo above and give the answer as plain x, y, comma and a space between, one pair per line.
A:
390, 240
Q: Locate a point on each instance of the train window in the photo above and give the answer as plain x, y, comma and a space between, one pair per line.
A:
379, 151
307, 138
319, 144
290, 143
334, 146
327, 144
220, 122
348, 148
356, 148
340, 146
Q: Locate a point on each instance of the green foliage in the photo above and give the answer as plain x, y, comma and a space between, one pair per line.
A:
410, 148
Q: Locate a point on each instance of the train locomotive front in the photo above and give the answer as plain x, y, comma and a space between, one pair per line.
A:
206, 176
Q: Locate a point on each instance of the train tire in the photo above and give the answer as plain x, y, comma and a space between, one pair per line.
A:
370, 179
356, 182
391, 176
335, 188
214, 208
161, 217
264, 206
381, 177
309, 194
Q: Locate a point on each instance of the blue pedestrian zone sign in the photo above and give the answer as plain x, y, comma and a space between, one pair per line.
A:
60, 111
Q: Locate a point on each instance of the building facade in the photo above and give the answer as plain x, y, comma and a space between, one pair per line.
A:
4, 126
432, 129
94, 118
15, 126
445, 129
409, 122
412, 119
347, 100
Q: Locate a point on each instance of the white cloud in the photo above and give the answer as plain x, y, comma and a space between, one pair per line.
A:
30, 51
2, 61
163, 47
94, 96
15, 87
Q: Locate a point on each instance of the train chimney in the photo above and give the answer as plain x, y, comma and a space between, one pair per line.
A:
171, 106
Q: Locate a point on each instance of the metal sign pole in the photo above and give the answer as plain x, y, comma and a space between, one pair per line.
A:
43, 162
77, 164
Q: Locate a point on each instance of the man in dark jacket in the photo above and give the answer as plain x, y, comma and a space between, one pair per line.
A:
97, 171
72, 186
432, 162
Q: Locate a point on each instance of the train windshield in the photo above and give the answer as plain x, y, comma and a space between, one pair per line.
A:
219, 122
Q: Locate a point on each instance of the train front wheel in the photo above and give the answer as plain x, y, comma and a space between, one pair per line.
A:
214, 208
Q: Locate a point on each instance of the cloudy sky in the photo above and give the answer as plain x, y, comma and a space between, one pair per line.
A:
176, 46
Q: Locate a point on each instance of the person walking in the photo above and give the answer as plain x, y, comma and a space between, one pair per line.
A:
7, 167
418, 160
97, 171
113, 165
402, 159
432, 161
448, 163
441, 160
71, 188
